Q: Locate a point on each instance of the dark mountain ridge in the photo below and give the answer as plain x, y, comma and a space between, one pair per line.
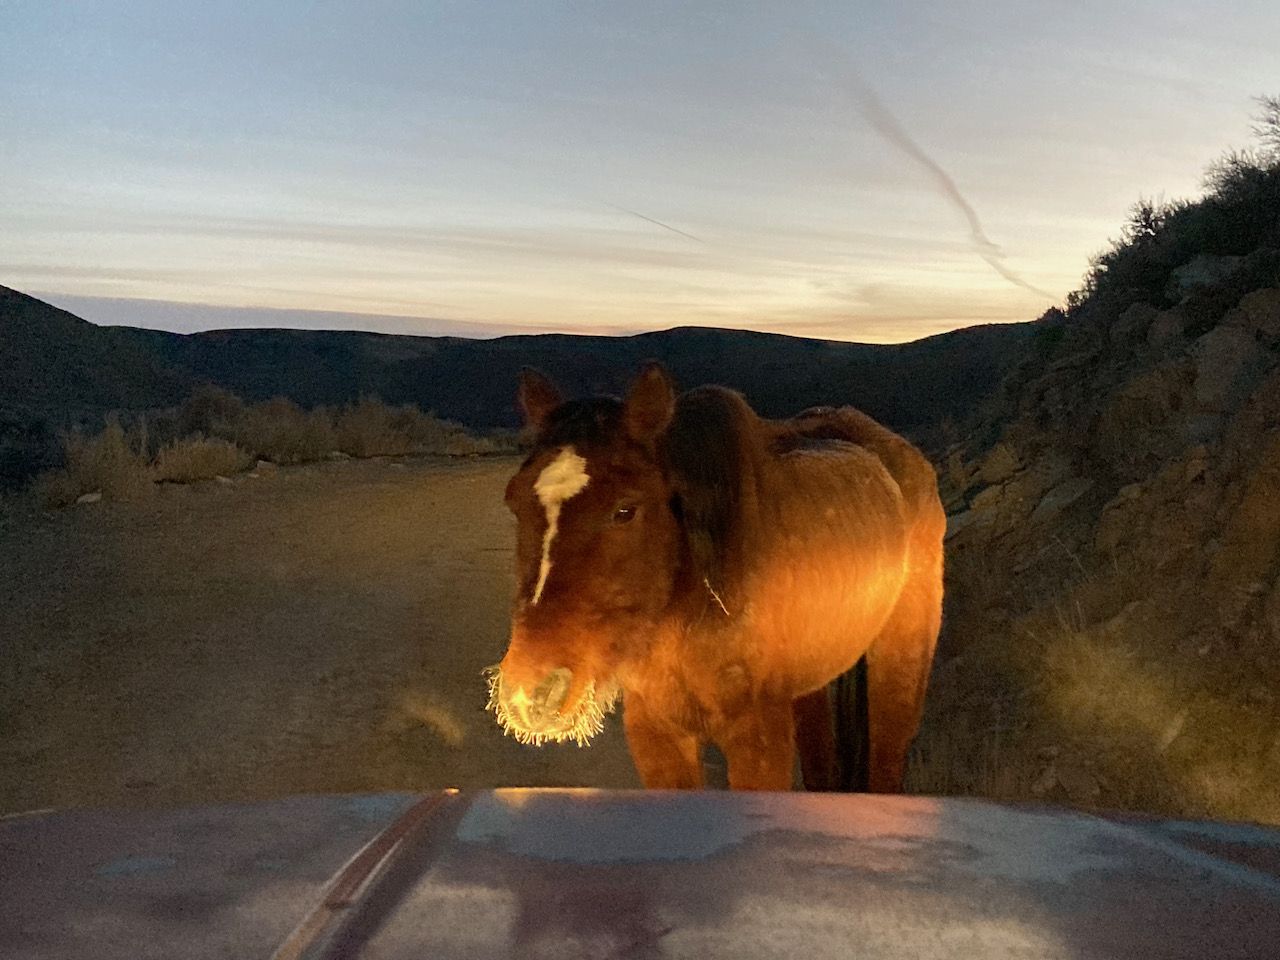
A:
62, 367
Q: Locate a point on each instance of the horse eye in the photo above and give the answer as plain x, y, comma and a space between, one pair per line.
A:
625, 513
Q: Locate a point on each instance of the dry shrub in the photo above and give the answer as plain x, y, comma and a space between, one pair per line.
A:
199, 458
282, 432
210, 411
370, 428
110, 463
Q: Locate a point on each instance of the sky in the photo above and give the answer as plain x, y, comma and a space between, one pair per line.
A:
855, 171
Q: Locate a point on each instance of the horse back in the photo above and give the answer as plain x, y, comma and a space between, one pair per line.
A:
909, 468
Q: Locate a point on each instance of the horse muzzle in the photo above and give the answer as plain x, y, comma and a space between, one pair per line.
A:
538, 710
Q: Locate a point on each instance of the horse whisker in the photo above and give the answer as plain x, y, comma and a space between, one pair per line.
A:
585, 722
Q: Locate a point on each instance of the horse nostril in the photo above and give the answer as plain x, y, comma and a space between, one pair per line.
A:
550, 694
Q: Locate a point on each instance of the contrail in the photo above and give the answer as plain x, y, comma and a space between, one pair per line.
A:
657, 223
887, 125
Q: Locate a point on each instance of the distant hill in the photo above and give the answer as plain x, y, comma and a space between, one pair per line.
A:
60, 366
51, 360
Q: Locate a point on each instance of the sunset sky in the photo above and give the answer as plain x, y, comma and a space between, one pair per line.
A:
857, 171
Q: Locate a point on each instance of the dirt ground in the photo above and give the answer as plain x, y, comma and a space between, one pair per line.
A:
313, 629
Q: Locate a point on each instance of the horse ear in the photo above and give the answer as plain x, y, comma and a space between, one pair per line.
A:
650, 404
537, 397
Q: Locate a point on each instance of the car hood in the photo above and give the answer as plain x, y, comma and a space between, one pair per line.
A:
566, 873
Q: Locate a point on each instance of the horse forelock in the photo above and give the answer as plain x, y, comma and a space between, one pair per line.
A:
582, 423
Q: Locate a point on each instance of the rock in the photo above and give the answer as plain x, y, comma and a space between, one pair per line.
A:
1228, 364
1125, 494
1081, 786
264, 466
1043, 785
959, 522
1271, 611
1059, 498
1166, 331
998, 465
1203, 271
336, 455
1259, 312
1172, 730
1205, 427
986, 499
89, 497
1143, 422
1132, 324
1197, 464
958, 473
224, 481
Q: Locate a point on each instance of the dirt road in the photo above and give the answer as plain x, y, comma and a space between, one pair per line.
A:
315, 629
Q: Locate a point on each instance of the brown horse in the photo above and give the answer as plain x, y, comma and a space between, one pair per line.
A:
718, 570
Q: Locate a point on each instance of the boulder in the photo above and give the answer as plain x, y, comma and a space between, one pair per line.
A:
1166, 332
1228, 364
1131, 327
1259, 313
1203, 271
998, 465
1143, 423
1059, 498
89, 497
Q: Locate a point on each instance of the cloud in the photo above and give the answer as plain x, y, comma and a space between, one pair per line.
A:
888, 126
181, 317
664, 226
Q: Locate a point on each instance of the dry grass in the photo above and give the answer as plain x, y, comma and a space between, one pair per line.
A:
955, 759
1085, 689
216, 434
199, 458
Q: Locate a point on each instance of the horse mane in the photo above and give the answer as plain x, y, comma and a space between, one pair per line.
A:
712, 450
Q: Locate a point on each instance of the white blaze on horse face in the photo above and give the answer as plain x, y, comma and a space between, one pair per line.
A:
563, 478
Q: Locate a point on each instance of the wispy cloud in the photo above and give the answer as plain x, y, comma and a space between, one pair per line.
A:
664, 226
888, 126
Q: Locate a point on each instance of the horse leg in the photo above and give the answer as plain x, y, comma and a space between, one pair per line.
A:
760, 748
815, 740
898, 665
665, 756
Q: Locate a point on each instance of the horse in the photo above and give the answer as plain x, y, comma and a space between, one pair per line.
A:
717, 571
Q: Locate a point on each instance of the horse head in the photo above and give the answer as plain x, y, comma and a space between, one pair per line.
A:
597, 550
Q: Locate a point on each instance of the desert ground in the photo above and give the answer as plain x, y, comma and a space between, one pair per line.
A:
319, 628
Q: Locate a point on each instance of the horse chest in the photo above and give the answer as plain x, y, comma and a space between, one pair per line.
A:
699, 683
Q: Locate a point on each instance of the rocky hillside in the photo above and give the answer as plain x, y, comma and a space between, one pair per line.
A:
1113, 621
